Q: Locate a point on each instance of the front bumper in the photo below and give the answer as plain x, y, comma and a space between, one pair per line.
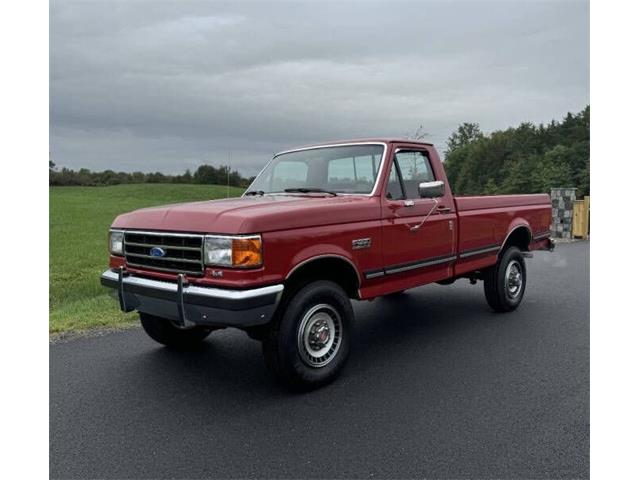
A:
188, 304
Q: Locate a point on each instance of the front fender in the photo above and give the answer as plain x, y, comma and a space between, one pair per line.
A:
316, 252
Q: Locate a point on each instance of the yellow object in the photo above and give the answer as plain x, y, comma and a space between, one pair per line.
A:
247, 252
580, 224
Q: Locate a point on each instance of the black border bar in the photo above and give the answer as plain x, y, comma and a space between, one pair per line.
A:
405, 267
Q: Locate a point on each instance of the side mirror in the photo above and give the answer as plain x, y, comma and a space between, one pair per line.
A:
431, 189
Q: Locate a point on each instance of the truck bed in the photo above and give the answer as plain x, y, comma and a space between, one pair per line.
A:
484, 222
465, 204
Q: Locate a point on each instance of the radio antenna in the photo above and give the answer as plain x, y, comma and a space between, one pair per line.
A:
228, 172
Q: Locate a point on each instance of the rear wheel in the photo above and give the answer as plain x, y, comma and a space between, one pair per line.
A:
505, 282
168, 333
308, 341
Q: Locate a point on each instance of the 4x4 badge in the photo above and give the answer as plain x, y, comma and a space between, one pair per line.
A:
361, 243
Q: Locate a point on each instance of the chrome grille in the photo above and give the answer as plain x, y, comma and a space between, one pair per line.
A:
182, 251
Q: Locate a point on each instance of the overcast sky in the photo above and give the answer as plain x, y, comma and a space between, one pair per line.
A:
171, 85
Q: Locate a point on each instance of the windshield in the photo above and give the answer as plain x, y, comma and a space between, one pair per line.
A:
346, 169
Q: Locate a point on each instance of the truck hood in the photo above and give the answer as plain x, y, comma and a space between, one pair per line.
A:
253, 214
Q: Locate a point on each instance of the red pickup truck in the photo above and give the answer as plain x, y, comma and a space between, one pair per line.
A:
318, 227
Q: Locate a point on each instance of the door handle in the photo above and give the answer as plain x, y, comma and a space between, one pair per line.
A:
409, 203
443, 209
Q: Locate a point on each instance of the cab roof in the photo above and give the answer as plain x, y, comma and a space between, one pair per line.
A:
372, 139
386, 140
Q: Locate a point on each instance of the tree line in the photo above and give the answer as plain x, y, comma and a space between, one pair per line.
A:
523, 159
204, 174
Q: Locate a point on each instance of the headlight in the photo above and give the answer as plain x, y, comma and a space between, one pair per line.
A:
116, 242
226, 251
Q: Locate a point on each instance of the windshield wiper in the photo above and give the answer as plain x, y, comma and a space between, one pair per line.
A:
254, 192
310, 190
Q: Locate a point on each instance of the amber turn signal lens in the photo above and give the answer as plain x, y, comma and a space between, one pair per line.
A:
247, 252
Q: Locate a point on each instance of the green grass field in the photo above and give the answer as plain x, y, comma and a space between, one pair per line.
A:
79, 219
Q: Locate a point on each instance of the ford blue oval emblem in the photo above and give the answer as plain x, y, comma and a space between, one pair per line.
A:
157, 252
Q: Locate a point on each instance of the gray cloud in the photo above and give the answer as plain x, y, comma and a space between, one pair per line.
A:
167, 86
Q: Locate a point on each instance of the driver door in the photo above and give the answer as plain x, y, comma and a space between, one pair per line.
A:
418, 233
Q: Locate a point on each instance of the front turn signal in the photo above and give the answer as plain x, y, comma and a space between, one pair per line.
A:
247, 252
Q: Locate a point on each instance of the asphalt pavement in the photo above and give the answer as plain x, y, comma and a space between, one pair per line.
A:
437, 385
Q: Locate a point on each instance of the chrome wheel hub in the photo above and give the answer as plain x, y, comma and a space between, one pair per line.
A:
513, 279
319, 335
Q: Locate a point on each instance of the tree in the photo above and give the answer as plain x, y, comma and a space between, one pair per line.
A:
420, 134
553, 170
206, 174
519, 175
583, 180
524, 159
465, 134
491, 187
137, 177
156, 177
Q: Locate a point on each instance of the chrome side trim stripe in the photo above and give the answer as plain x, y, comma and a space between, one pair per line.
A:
405, 267
420, 264
479, 251
542, 235
374, 274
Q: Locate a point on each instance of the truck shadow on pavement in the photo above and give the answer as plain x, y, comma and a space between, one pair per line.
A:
388, 336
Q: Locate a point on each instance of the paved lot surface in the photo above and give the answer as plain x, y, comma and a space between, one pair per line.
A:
437, 386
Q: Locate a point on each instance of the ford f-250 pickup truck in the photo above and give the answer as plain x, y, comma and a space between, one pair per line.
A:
319, 226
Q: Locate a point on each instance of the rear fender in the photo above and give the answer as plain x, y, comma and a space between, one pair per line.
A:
516, 235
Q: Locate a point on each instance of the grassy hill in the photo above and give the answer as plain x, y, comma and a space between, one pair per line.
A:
79, 219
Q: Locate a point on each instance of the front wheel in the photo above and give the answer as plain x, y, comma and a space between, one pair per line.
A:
308, 341
504, 283
167, 333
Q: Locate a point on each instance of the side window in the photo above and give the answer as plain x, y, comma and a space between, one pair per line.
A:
414, 168
394, 188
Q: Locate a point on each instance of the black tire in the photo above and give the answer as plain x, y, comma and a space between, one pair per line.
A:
299, 326
502, 294
165, 332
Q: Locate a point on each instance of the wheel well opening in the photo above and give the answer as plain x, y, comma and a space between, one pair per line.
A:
328, 268
520, 237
